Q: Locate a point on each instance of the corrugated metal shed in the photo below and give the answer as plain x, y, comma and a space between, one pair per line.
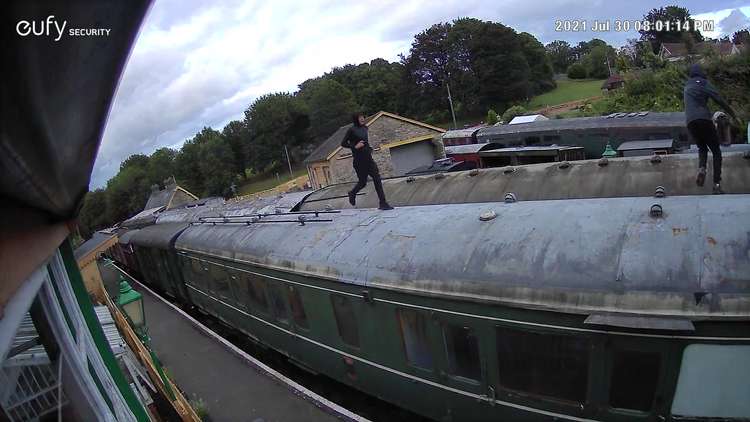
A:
96, 239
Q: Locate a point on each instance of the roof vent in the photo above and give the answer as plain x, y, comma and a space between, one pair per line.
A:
655, 159
656, 211
509, 170
440, 176
660, 192
487, 216
602, 162
474, 172
510, 198
564, 165
410, 179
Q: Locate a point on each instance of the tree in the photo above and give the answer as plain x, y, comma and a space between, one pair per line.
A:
274, 120
160, 165
512, 112
492, 117
597, 61
677, 16
561, 55
330, 106
378, 85
216, 164
741, 37
541, 78
236, 134
577, 71
93, 215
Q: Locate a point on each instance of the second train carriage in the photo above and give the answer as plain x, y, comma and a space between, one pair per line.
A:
591, 309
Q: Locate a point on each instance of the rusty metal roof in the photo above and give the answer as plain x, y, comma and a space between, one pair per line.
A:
578, 256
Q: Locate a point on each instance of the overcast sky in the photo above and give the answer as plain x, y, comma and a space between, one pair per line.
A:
197, 64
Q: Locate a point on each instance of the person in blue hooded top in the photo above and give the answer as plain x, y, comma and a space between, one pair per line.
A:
700, 126
357, 140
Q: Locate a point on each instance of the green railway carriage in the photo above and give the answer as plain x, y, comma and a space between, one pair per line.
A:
153, 247
571, 310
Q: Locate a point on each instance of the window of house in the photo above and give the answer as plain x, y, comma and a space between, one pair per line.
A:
277, 303
462, 350
256, 289
346, 320
635, 376
298, 309
545, 364
415, 339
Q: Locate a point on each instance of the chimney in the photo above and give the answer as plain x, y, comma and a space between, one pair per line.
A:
154, 188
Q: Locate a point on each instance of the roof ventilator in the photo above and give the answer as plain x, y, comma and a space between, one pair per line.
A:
410, 179
660, 192
655, 159
301, 220
440, 176
487, 216
602, 162
509, 170
474, 172
510, 198
656, 211
564, 165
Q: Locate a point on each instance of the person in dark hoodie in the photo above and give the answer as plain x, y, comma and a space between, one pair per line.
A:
356, 139
700, 126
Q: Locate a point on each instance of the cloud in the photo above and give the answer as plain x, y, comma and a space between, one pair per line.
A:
199, 64
734, 22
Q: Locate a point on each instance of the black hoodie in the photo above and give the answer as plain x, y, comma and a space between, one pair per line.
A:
355, 134
696, 94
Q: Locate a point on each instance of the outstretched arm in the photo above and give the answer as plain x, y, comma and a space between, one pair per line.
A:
713, 93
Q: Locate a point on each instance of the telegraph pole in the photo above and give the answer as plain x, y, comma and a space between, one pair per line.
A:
450, 101
288, 162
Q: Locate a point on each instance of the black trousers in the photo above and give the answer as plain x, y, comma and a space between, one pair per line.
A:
364, 168
703, 133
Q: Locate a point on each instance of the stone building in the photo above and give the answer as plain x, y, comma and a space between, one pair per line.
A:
399, 144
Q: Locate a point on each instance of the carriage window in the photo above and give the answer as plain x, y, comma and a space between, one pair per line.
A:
256, 289
277, 303
635, 376
221, 282
346, 320
414, 335
462, 349
298, 310
546, 364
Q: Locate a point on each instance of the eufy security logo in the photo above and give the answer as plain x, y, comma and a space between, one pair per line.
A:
55, 29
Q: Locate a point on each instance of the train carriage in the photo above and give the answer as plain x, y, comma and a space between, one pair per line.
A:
576, 310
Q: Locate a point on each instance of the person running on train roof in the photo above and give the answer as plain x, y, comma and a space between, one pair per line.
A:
700, 126
356, 139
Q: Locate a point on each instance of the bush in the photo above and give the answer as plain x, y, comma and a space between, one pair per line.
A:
577, 71
513, 112
492, 117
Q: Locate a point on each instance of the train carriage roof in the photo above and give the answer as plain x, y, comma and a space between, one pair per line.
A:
580, 256
158, 236
627, 176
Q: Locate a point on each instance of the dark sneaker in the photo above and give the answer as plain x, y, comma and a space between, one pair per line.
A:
717, 189
701, 178
353, 198
385, 207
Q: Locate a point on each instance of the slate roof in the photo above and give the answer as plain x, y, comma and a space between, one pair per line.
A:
328, 146
96, 239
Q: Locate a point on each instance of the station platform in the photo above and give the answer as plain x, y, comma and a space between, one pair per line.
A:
233, 385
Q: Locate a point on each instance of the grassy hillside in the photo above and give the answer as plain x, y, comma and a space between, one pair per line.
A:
567, 90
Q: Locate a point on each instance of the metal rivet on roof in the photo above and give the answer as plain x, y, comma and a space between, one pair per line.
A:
564, 165
602, 162
487, 216
509, 170
510, 198
656, 159
656, 211
473, 172
440, 176
660, 192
